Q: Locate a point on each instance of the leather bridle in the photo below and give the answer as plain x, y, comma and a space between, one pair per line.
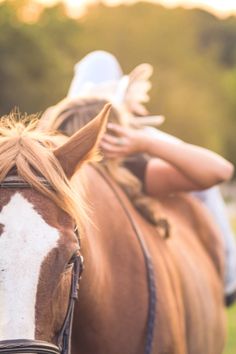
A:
63, 345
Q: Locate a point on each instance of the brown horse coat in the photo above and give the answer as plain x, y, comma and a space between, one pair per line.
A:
111, 315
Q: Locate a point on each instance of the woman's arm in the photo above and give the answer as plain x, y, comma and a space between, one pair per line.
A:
176, 166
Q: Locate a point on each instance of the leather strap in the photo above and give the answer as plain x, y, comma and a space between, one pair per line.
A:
64, 337
27, 346
18, 182
148, 262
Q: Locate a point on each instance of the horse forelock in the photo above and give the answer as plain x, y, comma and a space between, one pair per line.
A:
30, 152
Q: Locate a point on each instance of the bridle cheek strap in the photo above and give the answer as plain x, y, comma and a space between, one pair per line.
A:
64, 337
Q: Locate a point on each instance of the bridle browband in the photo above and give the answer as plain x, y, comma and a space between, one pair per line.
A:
12, 182
63, 345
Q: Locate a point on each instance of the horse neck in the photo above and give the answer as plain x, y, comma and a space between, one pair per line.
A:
112, 257
107, 236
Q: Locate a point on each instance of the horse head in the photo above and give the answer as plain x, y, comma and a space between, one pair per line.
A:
40, 259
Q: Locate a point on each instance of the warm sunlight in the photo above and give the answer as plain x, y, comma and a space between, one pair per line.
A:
221, 8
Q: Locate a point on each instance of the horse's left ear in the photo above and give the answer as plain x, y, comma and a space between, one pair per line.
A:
82, 145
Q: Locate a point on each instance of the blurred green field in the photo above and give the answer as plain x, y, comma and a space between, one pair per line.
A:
231, 342
231, 318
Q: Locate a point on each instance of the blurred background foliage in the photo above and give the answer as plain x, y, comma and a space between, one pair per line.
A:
193, 54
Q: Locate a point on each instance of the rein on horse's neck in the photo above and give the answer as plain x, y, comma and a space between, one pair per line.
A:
147, 258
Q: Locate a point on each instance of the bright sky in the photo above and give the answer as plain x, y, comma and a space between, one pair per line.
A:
221, 8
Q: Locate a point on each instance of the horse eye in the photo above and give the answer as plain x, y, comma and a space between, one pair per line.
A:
68, 266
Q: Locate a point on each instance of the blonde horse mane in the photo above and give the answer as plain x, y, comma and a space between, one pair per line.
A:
70, 115
29, 152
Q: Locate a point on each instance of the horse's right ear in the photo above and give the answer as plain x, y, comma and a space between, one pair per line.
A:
83, 145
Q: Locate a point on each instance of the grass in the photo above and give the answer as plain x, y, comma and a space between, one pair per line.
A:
231, 319
231, 341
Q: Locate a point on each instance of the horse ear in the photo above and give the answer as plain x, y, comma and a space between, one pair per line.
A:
82, 145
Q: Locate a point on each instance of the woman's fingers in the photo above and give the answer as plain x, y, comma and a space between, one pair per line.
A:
122, 140
117, 129
112, 150
110, 147
114, 140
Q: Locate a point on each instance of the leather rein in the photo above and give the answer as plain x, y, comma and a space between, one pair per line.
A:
63, 345
151, 284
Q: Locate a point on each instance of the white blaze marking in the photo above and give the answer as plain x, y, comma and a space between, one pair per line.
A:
24, 243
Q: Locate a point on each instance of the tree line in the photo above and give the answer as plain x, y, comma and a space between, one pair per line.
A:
193, 54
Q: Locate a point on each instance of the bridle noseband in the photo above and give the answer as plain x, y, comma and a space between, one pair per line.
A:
63, 345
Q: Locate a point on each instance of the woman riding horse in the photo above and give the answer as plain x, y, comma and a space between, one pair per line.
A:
99, 75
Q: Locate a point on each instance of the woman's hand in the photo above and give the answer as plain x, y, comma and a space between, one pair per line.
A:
123, 141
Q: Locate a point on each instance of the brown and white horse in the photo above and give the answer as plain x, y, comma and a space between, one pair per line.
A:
37, 242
